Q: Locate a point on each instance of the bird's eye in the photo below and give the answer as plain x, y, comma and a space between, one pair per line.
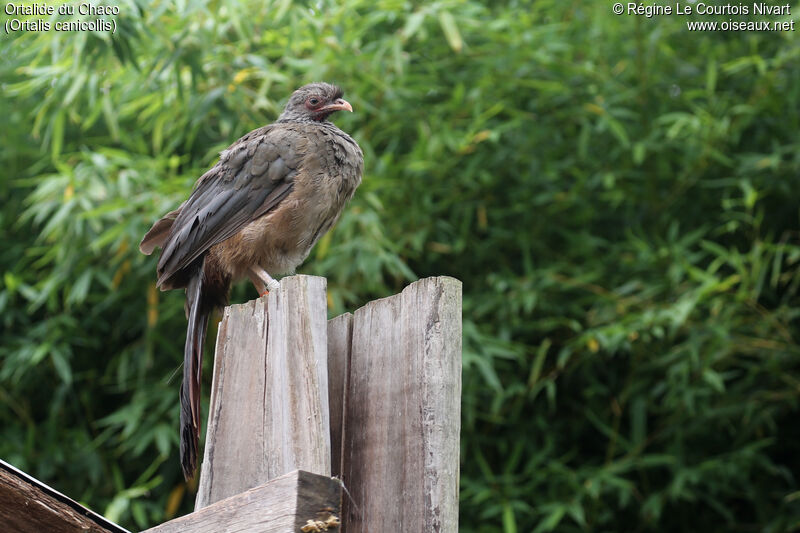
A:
313, 101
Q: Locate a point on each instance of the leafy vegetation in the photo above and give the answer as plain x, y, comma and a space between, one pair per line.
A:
618, 195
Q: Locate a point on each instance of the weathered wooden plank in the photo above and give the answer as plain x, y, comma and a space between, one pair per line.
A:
29, 506
286, 504
402, 413
269, 396
340, 336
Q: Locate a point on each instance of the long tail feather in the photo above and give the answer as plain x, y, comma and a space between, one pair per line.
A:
198, 311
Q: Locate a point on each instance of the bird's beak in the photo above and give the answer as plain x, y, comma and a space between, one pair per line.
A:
339, 105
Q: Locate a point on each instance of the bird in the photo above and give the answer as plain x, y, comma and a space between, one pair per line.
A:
256, 213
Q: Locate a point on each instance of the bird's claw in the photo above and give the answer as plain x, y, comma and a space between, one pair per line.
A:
271, 286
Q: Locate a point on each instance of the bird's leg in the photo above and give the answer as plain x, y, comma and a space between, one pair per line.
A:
257, 283
260, 278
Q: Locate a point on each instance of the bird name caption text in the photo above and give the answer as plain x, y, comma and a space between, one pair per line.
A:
710, 16
77, 16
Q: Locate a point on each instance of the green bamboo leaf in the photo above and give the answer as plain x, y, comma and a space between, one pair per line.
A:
509, 522
618, 130
450, 30
552, 519
110, 115
714, 379
62, 367
77, 85
57, 135
413, 23
538, 362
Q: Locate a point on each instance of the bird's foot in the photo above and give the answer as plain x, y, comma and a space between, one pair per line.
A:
263, 282
271, 286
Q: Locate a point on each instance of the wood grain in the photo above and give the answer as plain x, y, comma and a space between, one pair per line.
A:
29, 506
340, 336
402, 411
283, 505
269, 396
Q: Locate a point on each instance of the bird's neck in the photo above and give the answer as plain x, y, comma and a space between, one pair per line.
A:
287, 116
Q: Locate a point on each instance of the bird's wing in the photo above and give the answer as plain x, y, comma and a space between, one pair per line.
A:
252, 177
158, 234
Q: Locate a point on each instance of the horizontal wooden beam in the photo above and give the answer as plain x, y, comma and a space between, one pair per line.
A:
29, 506
296, 502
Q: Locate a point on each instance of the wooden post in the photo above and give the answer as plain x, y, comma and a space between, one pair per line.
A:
374, 397
269, 397
340, 337
402, 411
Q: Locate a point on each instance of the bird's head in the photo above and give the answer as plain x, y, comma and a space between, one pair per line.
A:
314, 103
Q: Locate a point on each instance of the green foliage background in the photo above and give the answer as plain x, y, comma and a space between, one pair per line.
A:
618, 195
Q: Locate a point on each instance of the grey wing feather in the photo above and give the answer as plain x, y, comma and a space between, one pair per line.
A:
158, 234
251, 178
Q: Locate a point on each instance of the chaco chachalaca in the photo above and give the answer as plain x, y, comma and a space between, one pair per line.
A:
257, 212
